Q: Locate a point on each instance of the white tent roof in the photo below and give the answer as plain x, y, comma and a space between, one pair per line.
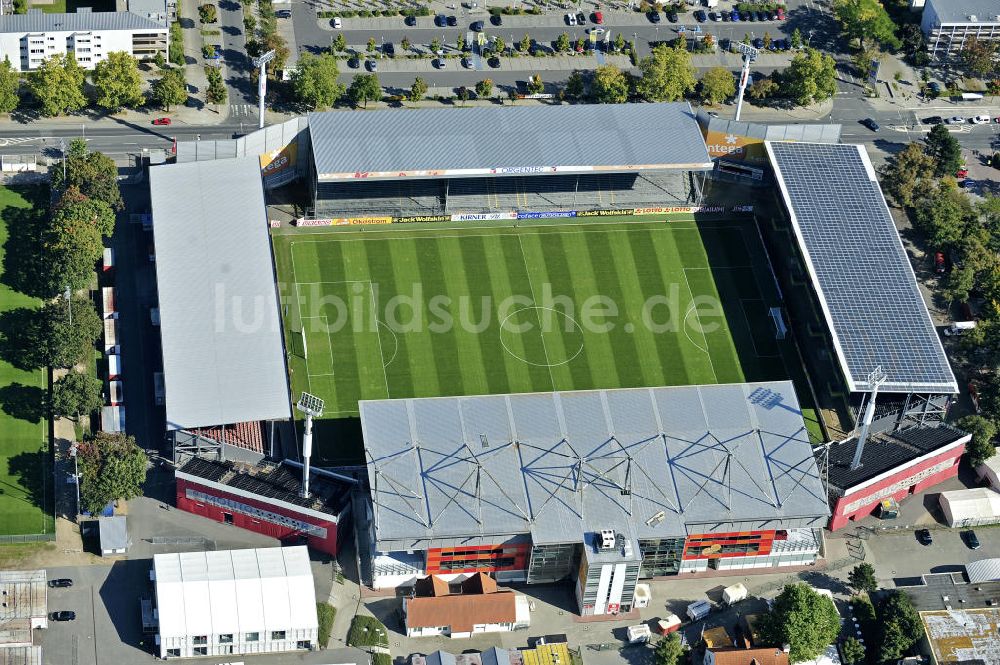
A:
974, 504
234, 591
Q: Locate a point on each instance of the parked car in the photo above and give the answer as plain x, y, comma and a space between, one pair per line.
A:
477, 26
467, 63
161, 121
780, 13
871, 124
653, 16
924, 536
734, 16
700, 16
410, 21
493, 62
63, 615
60, 583
758, 43
981, 120
371, 65
598, 17
962, 173
971, 539
933, 120
581, 18
714, 17
940, 265
724, 17
570, 19
935, 87
452, 21
954, 120
441, 20
441, 63
671, 16
354, 63
287, 13
596, 31
496, 20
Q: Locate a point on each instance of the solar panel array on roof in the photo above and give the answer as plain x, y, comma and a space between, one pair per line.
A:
655, 462
859, 268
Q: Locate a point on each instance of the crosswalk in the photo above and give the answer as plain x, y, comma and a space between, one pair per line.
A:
242, 111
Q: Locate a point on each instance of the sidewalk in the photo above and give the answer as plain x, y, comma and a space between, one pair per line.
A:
194, 70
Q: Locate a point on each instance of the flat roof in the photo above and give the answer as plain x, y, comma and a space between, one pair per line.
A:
24, 594
38, 21
984, 570
860, 271
113, 532
509, 140
947, 591
887, 452
649, 462
959, 11
234, 591
223, 355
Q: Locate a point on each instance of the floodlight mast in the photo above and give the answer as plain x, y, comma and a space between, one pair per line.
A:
260, 62
312, 406
875, 379
749, 55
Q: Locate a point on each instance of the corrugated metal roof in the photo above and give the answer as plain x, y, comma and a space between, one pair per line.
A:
655, 462
234, 591
223, 357
984, 570
814, 133
600, 136
76, 22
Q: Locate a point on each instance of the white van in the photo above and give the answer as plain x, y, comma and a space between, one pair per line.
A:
699, 609
959, 328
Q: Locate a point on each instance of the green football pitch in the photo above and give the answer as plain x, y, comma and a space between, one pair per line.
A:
25, 472
404, 312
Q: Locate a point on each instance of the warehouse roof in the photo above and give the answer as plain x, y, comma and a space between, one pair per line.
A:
526, 140
82, 21
556, 465
223, 357
234, 591
861, 274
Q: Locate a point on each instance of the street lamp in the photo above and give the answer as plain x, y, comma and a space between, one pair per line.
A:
260, 63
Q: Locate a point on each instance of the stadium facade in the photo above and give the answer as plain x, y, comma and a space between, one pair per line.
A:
863, 328
600, 487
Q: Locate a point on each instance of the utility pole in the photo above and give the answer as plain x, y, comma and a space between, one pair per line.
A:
68, 294
260, 63
749, 55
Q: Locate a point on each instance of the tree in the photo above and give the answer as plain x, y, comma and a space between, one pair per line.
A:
112, 467
498, 45
717, 85
339, 44
10, 86
364, 88
945, 150
460, 43
216, 93
435, 45
619, 42
862, 578
371, 45
900, 626
912, 40
908, 173
58, 85
525, 44
314, 81
159, 60
274, 42
484, 88
767, 40
866, 19
668, 650
811, 77
74, 203
762, 88
580, 45
93, 173
943, 214
667, 74
562, 42
535, 85
208, 13
117, 82
463, 94
796, 38
852, 650
76, 394
63, 342
574, 86
979, 56
249, 24
418, 89
609, 85
71, 247
803, 619
170, 89
404, 43
983, 432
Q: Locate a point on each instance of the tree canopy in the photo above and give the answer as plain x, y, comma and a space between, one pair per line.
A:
117, 82
94, 174
866, 19
112, 467
63, 343
417, 90
609, 85
667, 74
899, 626
907, 173
363, 89
979, 56
314, 81
58, 85
805, 620
717, 85
216, 92
983, 432
945, 150
10, 87
669, 650
170, 89
862, 578
76, 394
811, 77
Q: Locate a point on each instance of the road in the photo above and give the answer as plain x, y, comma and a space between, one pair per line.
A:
242, 92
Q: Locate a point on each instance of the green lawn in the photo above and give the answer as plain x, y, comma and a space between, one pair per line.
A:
430, 312
25, 477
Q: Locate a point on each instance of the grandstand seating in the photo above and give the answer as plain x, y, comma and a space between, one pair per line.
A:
552, 192
249, 436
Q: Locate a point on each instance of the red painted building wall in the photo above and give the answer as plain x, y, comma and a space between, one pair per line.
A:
477, 558
910, 480
252, 523
733, 544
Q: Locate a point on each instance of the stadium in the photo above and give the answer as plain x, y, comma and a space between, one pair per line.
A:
549, 342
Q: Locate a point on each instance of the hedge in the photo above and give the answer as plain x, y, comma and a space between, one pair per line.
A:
367, 631
326, 613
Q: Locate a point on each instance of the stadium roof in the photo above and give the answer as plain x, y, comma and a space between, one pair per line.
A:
223, 357
861, 273
819, 133
234, 591
650, 461
528, 140
83, 21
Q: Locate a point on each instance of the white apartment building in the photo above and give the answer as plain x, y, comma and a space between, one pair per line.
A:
235, 602
948, 23
28, 39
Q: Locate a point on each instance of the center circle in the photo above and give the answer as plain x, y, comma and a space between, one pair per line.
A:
537, 321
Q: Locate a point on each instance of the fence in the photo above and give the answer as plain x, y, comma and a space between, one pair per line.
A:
28, 538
